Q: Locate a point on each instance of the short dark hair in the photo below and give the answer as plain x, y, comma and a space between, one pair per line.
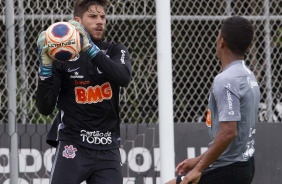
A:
81, 6
238, 34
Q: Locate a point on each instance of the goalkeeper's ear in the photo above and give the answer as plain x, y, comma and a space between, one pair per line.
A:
77, 19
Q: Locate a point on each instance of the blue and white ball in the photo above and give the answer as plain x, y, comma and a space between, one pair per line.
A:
63, 40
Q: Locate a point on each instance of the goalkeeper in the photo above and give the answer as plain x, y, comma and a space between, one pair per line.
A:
86, 91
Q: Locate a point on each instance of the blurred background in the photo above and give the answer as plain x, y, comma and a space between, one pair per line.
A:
194, 28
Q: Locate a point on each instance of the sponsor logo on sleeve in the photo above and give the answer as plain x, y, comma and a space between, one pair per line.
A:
252, 83
122, 56
229, 100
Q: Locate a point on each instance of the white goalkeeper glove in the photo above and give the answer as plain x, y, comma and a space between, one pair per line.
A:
88, 46
45, 62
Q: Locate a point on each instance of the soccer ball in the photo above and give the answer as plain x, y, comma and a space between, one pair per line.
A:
63, 40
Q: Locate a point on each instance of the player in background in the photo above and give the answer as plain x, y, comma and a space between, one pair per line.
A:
86, 92
232, 114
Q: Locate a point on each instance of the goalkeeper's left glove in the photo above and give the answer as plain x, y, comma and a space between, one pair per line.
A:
88, 46
45, 62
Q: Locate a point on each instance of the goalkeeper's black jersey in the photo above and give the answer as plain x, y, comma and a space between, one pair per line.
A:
86, 92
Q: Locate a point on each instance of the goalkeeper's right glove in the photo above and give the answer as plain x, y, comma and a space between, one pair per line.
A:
45, 62
88, 46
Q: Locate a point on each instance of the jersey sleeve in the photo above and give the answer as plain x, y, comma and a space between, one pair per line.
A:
227, 98
117, 67
47, 91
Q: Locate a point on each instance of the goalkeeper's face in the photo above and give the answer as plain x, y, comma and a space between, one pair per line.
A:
94, 22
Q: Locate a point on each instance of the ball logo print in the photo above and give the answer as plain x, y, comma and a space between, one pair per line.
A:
63, 41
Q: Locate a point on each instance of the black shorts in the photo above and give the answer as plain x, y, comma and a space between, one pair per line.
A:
74, 164
236, 173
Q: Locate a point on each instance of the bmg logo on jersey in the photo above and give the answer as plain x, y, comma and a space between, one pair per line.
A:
96, 137
93, 94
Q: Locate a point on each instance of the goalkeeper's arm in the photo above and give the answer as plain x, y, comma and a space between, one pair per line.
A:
47, 89
47, 92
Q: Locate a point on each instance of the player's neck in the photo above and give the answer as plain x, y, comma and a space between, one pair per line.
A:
228, 58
